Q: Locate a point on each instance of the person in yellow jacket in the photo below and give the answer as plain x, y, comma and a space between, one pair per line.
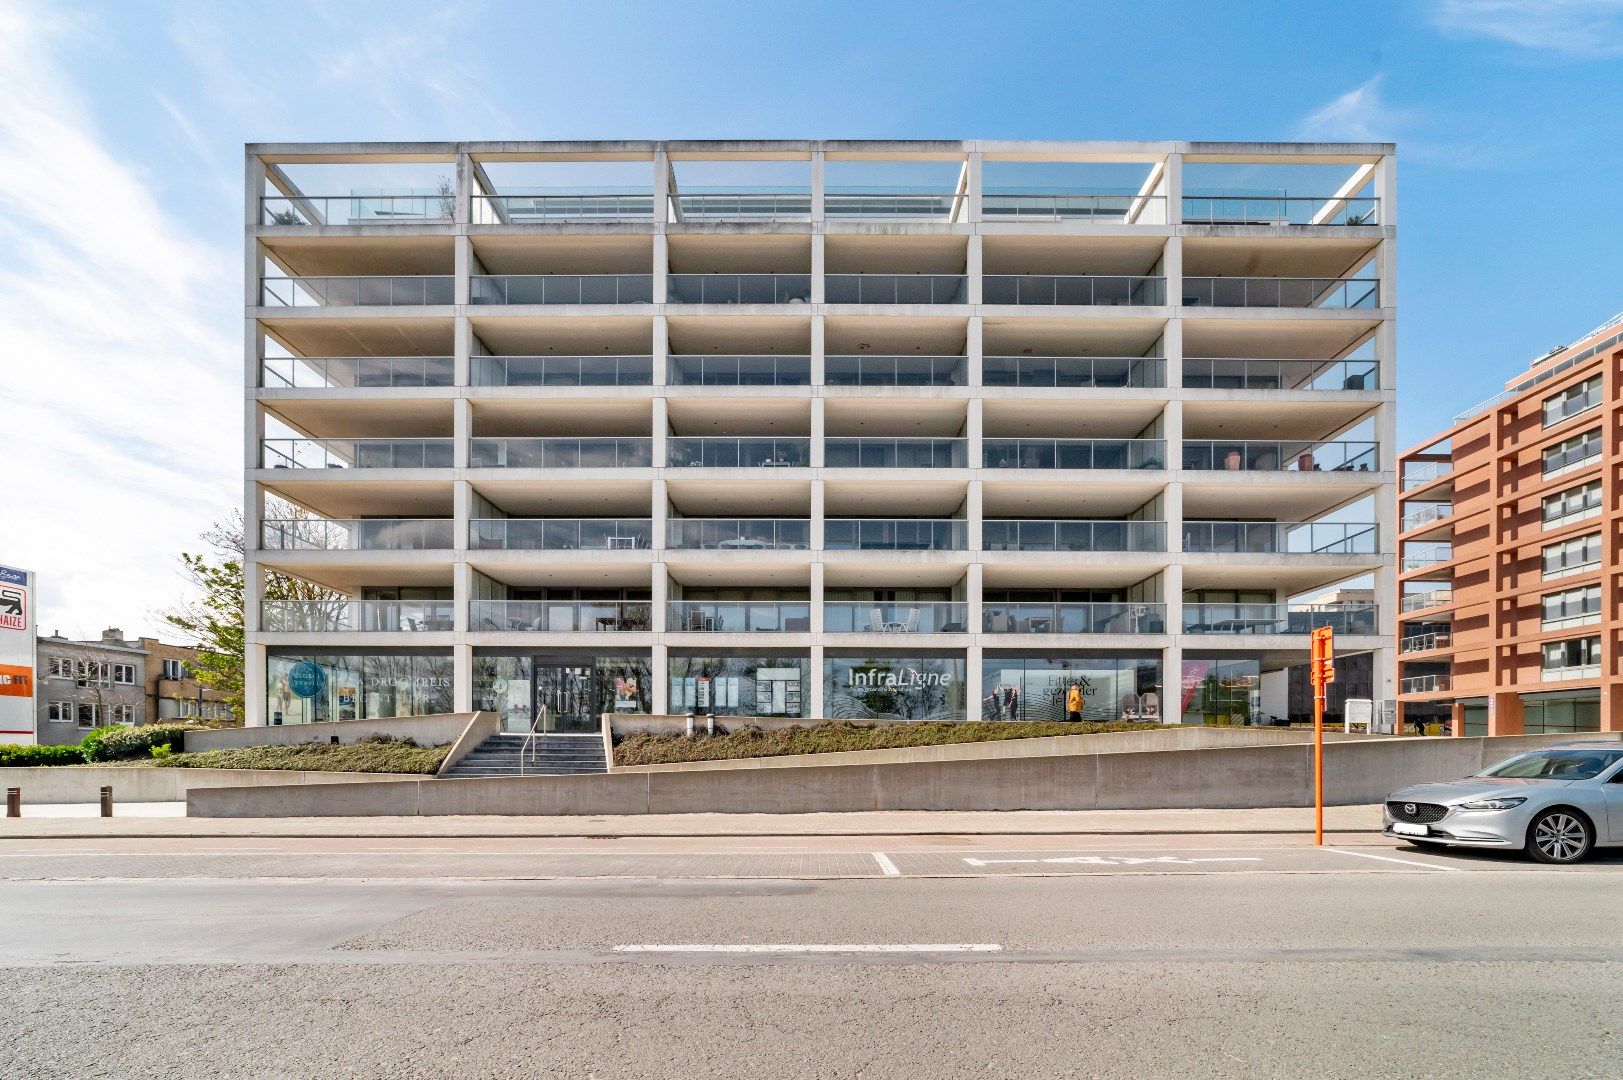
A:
1073, 703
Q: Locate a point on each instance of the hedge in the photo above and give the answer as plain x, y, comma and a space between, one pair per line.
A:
15, 756
125, 743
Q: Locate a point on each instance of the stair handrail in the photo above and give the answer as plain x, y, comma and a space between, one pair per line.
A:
537, 722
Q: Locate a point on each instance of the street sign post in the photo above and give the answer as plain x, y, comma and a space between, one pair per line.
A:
1322, 674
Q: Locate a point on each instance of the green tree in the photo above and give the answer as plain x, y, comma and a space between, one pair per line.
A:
211, 620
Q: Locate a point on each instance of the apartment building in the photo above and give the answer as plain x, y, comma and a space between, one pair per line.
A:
82, 685
173, 692
1508, 620
815, 428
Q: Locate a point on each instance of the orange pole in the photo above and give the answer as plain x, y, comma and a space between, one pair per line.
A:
1318, 764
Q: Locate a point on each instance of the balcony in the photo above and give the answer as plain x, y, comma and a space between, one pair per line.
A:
895, 289
1420, 601
1280, 210
1073, 618
1252, 456
561, 370
562, 289
737, 534
1427, 514
739, 371
542, 209
356, 291
899, 534
559, 616
910, 453
1073, 453
560, 453
560, 534
1280, 292
867, 370
356, 453
738, 616
356, 616
1319, 375
1415, 643
743, 453
1422, 558
436, 209
1096, 372
738, 288
741, 206
1247, 619
1280, 537
1418, 474
1115, 208
362, 534
1039, 535
896, 206
875, 617
344, 372
1075, 290
1425, 684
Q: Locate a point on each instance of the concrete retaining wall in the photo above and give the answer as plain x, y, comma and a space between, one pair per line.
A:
1357, 771
433, 730
481, 727
63, 784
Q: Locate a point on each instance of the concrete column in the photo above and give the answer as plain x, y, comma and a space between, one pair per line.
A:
1172, 270
819, 353
816, 595
972, 683
974, 588
1504, 713
253, 685
972, 268
1172, 684
662, 431
974, 515
461, 594
464, 191
662, 190
463, 269
659, 666
817, 515
461, 432
1386, 190
975, 350
814, 699
817, 432
1172, 349
976, 187
660, 349
1172, 596
1172, 514
462, 678
462, 351
462, 514
818, 263
819, 161
659, 511
661, 270
1172, 188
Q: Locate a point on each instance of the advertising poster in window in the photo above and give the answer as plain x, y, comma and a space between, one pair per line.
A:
1020, 688
894, 688
16, 656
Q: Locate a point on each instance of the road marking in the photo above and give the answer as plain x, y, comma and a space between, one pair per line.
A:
1391, 858
953, 948
1102, 860
885, 865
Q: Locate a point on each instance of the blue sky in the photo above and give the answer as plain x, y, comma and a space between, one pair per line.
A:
121, 204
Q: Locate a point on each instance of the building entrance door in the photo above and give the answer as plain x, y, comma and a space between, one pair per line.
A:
568, 694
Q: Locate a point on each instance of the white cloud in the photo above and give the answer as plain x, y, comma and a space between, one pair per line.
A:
120, 420
1580, 29
1359, 115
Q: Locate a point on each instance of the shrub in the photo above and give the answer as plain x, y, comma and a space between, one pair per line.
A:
124, 743
380, 738
13, 756
162, 750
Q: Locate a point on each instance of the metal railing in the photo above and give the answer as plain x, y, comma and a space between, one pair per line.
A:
560, 616
1101, 207
561, 534
1260, 456
904, 453
357, 453
895, 289
1426, 684
1425, 472
560, 453
864, 370
738, 534
930, 206
741, 206
1280, 210
1422, 558
738, 371
357, 291
895, 534
562, 289
1428, 513
534, 209
1419, 601
1085, 371
881, 617
1073, 453
1278, 618
1080, 290
1281, 537
1040, 535
738, 616
356, 209
1073, 618
562, 370
1440, 639
1281, 292
1237, 374
356, 534
684, 451
738, 288
357, 616
334, 372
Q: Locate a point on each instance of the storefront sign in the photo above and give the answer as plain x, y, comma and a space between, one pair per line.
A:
306, 679
17, 665
904, 679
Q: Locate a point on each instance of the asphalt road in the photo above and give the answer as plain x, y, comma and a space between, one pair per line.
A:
945, 957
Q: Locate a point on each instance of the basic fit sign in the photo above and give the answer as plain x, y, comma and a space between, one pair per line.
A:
16, 655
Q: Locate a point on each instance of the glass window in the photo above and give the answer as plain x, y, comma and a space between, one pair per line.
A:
1035, 688
1572, 401
1555, 765
1572, 607
303, 688
1575, 556
87, 714
894, 688
740, 685
1221, 692
1573, 657
1579, 502
1573, 451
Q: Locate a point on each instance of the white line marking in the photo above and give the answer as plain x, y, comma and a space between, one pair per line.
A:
958, 948
1400, 862
885, 865
1105, 860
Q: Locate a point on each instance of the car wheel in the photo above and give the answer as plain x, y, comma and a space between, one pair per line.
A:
1559, 836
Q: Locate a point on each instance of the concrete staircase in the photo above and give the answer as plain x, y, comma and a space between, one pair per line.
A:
548, 755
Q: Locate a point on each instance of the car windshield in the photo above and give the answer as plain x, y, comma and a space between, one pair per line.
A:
1554, 765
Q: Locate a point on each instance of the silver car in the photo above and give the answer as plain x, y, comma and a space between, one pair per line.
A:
1557, 804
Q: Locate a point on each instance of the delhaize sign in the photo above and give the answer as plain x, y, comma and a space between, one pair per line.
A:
16, 656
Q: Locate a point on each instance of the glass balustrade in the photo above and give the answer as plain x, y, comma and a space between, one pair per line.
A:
738, 616
560, 453
895, 289
562, 289
864, 370
1431, 598
356, 291
1280, 210
561, 534
1055, 535
1426, 684
1278, 618
402, 209
559, 616
1280, 537
881, 617
1105, 208
357, 616
1072, 618
1257, 456
738, 288
1083, 371
539, 209
738, 370
1073, 453
356, 454
740, 453
369, 372
359, 534
1237, 374
895, 453
738, 534
562, 370
1425, 642
899, 534
741, 206
1082, 290
896, 206
1279, 292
